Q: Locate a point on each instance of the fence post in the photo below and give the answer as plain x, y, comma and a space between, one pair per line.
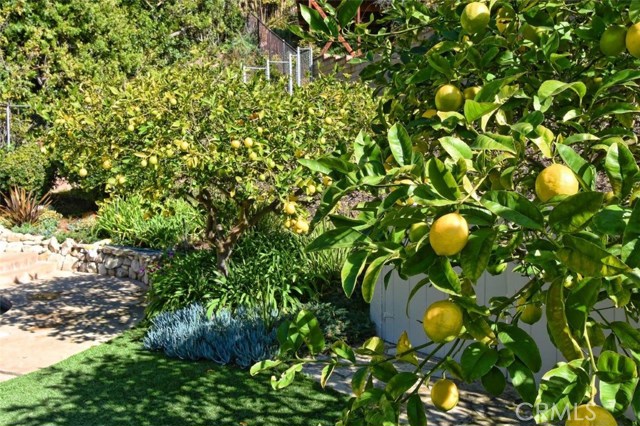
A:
8, 124
298, 68
290, 74
244, 74
268, 70
310, 63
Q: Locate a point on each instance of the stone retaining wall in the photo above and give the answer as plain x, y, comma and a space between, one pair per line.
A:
98, 258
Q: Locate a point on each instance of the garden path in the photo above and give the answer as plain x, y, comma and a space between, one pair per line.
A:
52, 319
476, 407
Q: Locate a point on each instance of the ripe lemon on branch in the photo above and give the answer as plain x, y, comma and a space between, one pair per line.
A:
556, 180
442, 321
475, 17
633, 40
449, 98
590, 415
444, 395
449, 234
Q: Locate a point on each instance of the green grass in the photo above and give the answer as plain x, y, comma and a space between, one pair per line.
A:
119, 383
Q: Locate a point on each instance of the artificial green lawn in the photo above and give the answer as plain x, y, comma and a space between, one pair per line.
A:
119, 383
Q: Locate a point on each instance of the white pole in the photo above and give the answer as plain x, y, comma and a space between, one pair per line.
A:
298, 68
290, 74
244, 74
8, 125
268, 70
310, 63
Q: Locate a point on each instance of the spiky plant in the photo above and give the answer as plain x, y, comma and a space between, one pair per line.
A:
20, 207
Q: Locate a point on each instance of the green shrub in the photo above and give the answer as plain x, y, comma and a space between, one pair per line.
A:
82, 230
25, 167
134, 221
269, 270
180, 280
341, 318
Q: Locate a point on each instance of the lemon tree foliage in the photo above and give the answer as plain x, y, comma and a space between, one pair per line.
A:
516, 119
196, 131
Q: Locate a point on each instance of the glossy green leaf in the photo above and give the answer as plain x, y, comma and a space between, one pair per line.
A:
444, 278
551, 88
313, 18
494, 382
346, 11
371, 277
616, 368
475, 256
351, 270
621, 168
628, 335
337, 238
632, 230
442, 180
561, 388
577, 164
475, 110
415, 411
400, 144
521, 344
523, 380
588, 259
400, 384
359, 380
456, 148
477, 360
514, 208
574, 212
488, 143
616, 397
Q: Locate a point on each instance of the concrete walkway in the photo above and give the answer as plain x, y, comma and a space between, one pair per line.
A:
53, 319
476, 407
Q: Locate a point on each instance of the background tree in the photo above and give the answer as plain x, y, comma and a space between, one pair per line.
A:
194, 130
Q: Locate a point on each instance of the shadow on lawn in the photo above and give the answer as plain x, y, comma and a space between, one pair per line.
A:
149, 389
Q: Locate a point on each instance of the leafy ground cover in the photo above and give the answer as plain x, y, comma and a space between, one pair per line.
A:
119, 383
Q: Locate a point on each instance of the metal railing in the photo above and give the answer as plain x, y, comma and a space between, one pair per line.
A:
295, 63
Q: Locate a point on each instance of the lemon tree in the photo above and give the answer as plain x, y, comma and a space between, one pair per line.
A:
195, 131
541, 162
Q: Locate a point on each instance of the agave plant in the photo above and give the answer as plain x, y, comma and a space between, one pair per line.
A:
20, 207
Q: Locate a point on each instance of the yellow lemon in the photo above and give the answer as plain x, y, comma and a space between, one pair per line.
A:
143, 163
590, 415
556, 180
327, 181
248, 142
184, 145
83, 172
302, 226
449, 234
471, 92
612, 42
235, 144
531, 314
633, 40
153, 160
475, 17
106, 164
442, 321
289, 208
449, 98
444, 395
